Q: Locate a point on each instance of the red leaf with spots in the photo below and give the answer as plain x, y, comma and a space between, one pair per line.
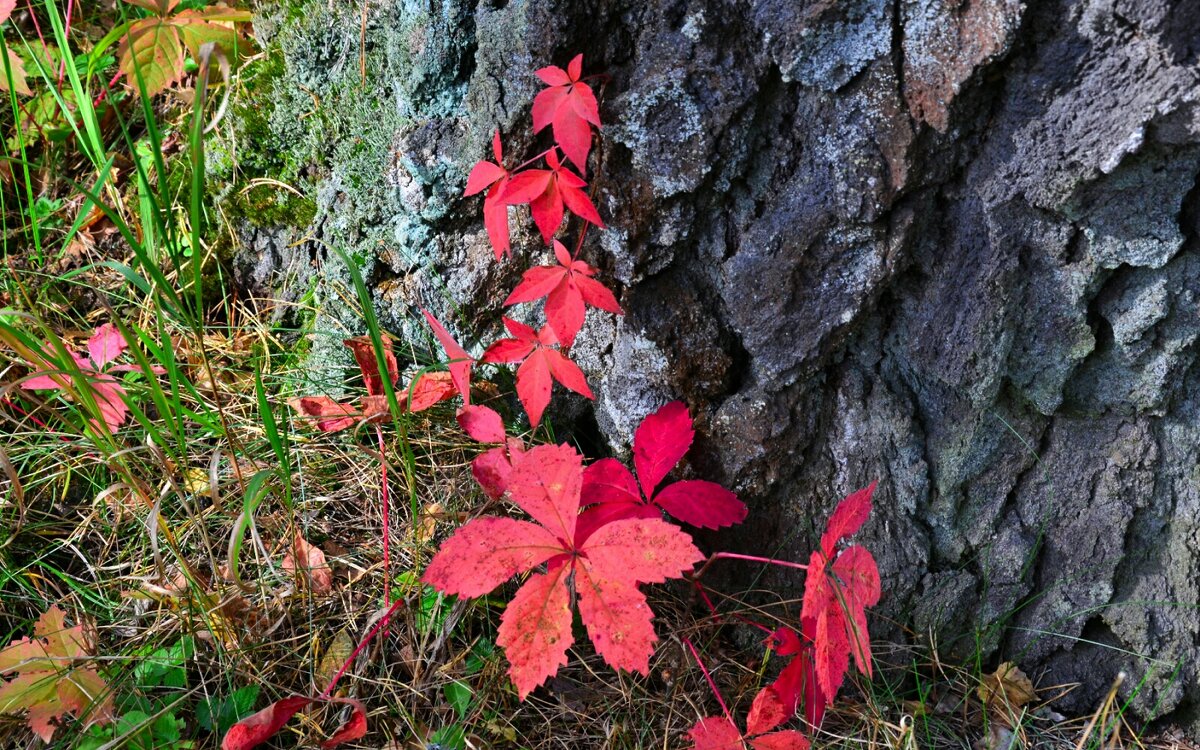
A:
568, 289
660, 442
570, 107
606, 561
766, 713
482, 424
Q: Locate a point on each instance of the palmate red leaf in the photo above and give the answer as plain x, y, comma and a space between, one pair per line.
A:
540, 366
535, 630
547, 191
715, 733
719, 733
261, 726
567, 289
570, 106
606, 567
661, 441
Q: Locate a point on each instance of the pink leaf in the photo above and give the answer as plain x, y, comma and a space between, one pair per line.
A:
641, 550
701, 503
535, 630
787, 740
617, 618
608, 481
105, 345
482, 424
486, 552
715, 733
766, 713
545, 483
847, 518
660, 442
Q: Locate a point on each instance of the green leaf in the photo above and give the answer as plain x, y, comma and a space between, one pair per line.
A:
458, 695
217, 715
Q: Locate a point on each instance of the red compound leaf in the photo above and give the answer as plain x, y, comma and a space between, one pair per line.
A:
540, 366
836, 594
766, 713
547, 191
569, 288
659, 443
570, 107
606, 567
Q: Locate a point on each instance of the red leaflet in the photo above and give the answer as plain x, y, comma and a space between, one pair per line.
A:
423, 392
766, 713
540, 366
482, 424
535, 630
836, 594
659, 444
260, 727
105, 345
492, 177
568, 288
460, 361
570, 106
546, 191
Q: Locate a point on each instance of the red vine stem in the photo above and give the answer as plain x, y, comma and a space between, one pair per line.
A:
383, 622
751, 558
713, 609
711, 685
383, 499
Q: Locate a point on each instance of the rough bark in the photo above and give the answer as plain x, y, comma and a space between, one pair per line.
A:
952, 246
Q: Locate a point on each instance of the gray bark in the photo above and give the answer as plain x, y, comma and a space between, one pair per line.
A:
951, 246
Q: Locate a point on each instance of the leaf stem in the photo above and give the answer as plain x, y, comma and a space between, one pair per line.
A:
383, 498
750, 558
358, 649
527, 162
711, 684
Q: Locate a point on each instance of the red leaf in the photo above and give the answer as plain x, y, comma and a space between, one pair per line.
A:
261, 726
640, 550
617, 617
323, 412
567, 372
599, 516
700, 503
565, 311
788, 740
482, 424
534, 384
309, 560
105, 345
784, 642
483, 175
506, 351
567, 288
535, 630
364, 354
536, 283
460, 361
571, 106
861, 588
495, 221
428, 389
608, 481
354, 728
766, 713
660, 442
847, 518
486, 552
492, 469
546, 483
715, 733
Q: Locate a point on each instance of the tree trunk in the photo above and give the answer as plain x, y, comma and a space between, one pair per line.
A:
950, 246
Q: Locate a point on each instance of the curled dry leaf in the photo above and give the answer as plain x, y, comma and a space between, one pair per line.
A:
1007, 688
309, 560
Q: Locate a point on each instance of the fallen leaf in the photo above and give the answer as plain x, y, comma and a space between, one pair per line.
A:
1007, 687
311, 560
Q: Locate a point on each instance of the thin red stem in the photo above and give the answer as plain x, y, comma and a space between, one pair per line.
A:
62, 65
36, 26
713, 609
711, 685
383, 497
526, 163
387, 616
751, 558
